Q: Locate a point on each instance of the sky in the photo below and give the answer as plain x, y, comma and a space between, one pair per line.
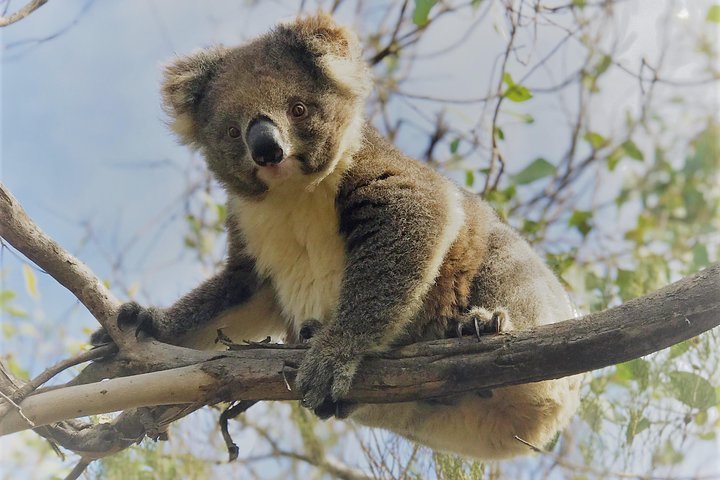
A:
85, 148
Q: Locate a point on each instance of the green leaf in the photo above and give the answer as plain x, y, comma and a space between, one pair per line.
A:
679, 348
30, 281
637, 424
15, 311
421, 12
6, 296
637, 370
469, 178
595, 140
537, 169
454, 145
603, 65
515, 92
632, 151
713, 15
580, 219
692, 390
615, 157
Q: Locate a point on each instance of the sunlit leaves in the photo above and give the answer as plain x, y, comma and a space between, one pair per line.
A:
692, 390
713, 14
580, 219
595, 140
7, 296
30, 281
421, 12
627, 149
637, 424
637, 370
538, 168
632, 151
469, 178
514, 91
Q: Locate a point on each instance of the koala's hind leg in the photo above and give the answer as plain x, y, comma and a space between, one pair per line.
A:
480, 321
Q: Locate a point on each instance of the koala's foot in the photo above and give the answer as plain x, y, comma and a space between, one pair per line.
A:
309, 329
131, 316
480, 321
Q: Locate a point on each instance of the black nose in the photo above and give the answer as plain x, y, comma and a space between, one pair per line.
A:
263, 139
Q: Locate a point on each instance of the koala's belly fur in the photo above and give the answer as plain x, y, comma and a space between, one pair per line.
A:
294, 237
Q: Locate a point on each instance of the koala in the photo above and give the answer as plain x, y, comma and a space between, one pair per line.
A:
328, 221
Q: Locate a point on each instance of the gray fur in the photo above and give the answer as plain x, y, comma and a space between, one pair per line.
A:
379, 249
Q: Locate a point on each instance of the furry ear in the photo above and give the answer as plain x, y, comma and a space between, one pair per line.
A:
338, 49
185, 82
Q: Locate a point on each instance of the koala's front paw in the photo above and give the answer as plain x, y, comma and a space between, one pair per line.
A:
326, 374
131, 316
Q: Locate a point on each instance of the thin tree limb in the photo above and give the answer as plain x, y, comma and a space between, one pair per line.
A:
22, 13
23, 234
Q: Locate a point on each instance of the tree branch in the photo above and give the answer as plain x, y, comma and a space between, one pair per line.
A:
424, 370
22, 13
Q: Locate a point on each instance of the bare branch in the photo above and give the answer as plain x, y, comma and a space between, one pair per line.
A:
23, 234
22, 13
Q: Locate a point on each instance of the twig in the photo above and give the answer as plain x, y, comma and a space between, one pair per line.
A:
602, 473
22, 13
18, 409
231, 412
78, 470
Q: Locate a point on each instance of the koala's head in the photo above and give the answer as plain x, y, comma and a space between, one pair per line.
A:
283, 108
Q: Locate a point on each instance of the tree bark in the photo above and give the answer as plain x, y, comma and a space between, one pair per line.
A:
424, 370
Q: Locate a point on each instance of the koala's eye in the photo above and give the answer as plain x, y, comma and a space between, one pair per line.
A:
234, 132
298, 110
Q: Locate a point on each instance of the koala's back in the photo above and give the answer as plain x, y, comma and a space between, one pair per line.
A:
486, 264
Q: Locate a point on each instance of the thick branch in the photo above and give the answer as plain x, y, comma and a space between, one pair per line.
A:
23, 234
425, 370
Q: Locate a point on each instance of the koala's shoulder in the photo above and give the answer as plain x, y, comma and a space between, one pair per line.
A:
380, 163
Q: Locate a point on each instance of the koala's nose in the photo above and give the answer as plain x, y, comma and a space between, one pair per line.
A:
263, 139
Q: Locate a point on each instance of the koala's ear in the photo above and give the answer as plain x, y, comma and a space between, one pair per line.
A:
338, 51
185, 82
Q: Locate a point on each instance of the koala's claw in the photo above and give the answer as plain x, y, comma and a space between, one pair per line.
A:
132, 316
480, 321
100, 337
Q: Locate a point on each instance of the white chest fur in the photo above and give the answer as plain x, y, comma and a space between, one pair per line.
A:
293, 235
